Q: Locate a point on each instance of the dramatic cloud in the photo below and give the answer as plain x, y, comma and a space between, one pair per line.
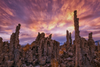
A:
48, 16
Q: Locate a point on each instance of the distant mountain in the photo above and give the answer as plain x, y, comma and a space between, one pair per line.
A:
61, 43
97, 41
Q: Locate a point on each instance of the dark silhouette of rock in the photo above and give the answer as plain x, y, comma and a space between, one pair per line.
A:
70, 39
45, 52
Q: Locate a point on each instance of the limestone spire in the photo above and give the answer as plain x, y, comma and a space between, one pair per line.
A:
98, 46
18, 27
67, 37
1, 44
0, 39
76, 25
70, 39
17, 35
50, 36
90, 35
77, 40
39, 36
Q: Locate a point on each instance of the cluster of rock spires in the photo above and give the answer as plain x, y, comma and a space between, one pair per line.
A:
45, 52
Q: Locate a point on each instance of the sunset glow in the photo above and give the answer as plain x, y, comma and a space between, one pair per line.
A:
48, 16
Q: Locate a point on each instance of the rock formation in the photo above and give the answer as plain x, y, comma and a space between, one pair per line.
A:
45, 52
82, 53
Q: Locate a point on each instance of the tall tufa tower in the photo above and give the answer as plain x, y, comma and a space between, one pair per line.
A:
77, 41
76, 25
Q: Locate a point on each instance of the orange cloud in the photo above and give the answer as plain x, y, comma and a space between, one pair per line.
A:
49, 16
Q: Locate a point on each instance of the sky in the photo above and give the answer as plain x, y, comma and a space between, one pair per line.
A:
48, 16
